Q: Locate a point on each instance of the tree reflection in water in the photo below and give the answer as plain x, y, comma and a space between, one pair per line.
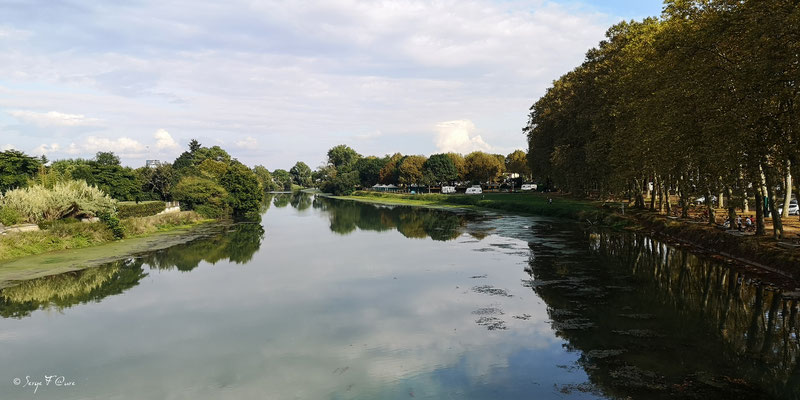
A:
658, 321
238, 244
412, 222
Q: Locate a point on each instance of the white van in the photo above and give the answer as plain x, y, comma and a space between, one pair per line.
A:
474, 190
528, 186
448, 189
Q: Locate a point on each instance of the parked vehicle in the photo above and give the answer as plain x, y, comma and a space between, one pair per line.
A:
794, 209
474, 190
448, 189
702, 200
529, 186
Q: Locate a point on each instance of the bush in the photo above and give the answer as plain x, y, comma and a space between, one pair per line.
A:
113, 224
66, 199
143, 209
8, 216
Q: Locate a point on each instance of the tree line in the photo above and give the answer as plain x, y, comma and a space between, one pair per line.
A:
346, 170
701, 101
205, 179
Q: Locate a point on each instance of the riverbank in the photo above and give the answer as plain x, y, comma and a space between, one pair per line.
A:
762, 252
520, 203
78, 235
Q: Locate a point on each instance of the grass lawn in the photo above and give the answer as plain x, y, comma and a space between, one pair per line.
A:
528, 203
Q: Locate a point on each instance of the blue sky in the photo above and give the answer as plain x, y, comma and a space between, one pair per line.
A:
275, 82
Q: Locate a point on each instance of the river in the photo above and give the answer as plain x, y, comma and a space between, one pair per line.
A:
329, 299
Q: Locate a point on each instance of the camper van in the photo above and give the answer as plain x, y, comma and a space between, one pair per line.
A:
528, 186
475, 190
448, 189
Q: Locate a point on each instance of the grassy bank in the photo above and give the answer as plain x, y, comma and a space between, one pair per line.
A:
77, 235
760, 251
520, 203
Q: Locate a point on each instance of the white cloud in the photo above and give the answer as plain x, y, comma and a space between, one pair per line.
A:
300, 76
247, 143
44, 149
7, 147
122, 145
458, 136
164, 140
53, 118
73, 149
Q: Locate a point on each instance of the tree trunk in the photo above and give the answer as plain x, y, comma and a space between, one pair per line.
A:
745, 202
684, 205
642, 192
760, 229
731, 209
712, 218
666, 199
777, 227
788, 189
652, 195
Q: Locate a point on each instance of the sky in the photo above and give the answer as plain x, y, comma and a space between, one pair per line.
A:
275, 82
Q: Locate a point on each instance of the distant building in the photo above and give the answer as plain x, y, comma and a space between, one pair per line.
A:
153, 163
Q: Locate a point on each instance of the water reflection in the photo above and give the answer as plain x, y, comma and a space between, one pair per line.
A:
635, 317
411, 222
62, 291
655, 320
58, 292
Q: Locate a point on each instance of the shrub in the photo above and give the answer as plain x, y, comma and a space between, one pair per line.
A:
144, 209
9, 216
66, 199
113, 224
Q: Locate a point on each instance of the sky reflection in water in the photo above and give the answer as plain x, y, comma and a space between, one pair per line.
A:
340, 300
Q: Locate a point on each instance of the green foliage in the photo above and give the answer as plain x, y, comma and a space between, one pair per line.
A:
9, 216
439, 168
196, 155
369, 170
409, 170
202, 195
342, 157
244, 193
105, 172
389, 174
283, 179
264, 178
113, 224
483, 167
517, 163
16, 168
460, 164
143, 209
301, 174
66, 199
106, 158
342, 184
157, 182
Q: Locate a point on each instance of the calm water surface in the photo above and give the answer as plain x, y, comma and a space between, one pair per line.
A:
337, 300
